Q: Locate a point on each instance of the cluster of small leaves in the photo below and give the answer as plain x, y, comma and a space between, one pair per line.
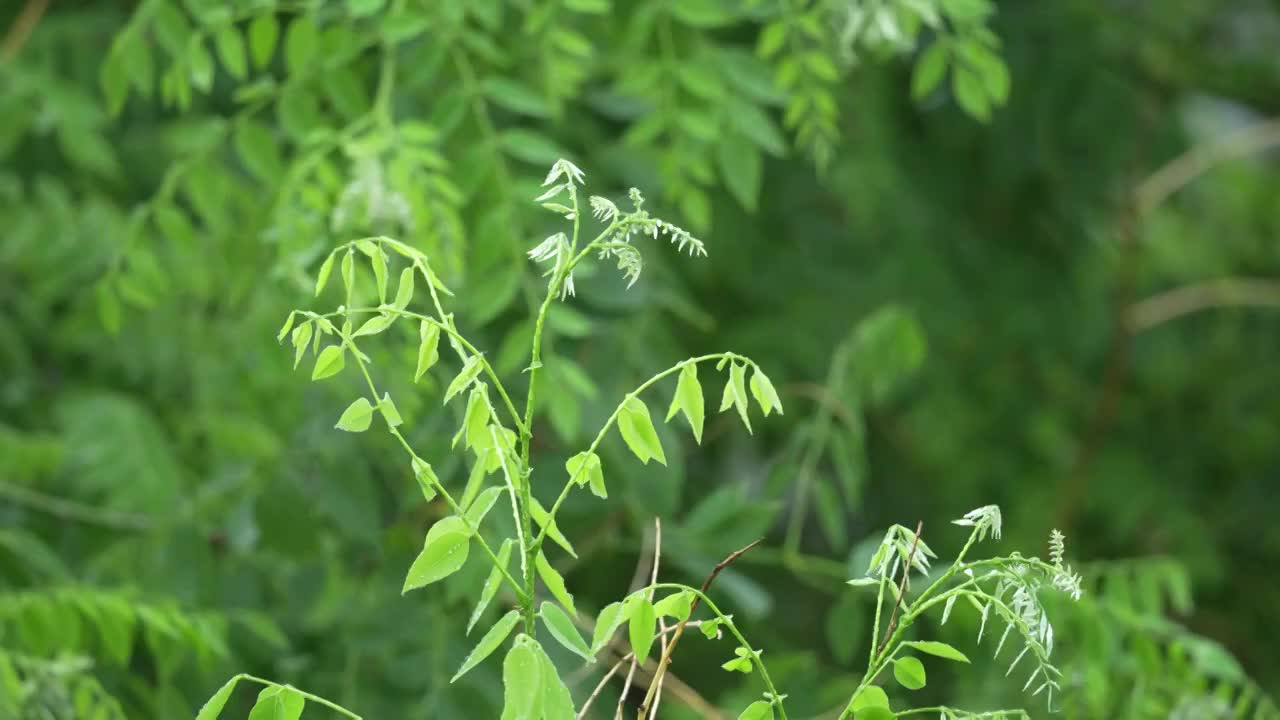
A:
1008, 587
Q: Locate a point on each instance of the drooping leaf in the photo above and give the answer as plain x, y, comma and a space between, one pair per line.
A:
585, 468
278, 702
491, 583
301, 42
404, 292
375, 325
428, 348
557, 703
488, 643
470, 371
230, 47
329, 363
871, 696
263, 33
544, 519
322, 277
389, 411
608, 621
765, 395
482, 504
642, 627
554, 582
562, 629
522, 681
735, 393
758, 710
357, 417
689, 400
677, 605
638, 431
929, 71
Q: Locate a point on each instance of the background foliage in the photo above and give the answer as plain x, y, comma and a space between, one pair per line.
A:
935, 222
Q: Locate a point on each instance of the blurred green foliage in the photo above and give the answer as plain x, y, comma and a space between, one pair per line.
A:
928, 219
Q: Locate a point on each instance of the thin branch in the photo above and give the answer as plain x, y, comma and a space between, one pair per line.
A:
902, 589
656, 687
22, 28
666, 656
74, 511
1179, 172
1188, 299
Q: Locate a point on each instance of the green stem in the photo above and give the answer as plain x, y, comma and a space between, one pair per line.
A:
733, 630
313, 698
573, 480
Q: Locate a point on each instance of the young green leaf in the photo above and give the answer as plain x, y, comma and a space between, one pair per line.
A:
689, 399
263, 33
488, 643
475, 424
442, 555
585, 468
428, 348
764, 393
301, 41
609, 620
563, 631
542, 518
378, 260
230, 48
735, 393
522, 681
426, 478
491, 583
301, 336
357, 417
329, 363
483, 503
741, 662
638, 432
470, 371
404, 293
375, 325
557, 703
278, 702
213, 707
909, 673
322, 277
554, 582
930, 69
937, 649
758, 710
288, 324
871, 696
389, 411
642, 627
349, 272
676, 605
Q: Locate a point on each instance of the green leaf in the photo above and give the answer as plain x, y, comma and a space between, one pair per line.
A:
263, 33
428, 348
322, 277
425, 475
557, 703
200, 66
584, 468
641, 629
735, 393
638, 432
876, 713
742, 169
389, 411
475, 423
971, 94
563, 631
741, 663
230, 46
542, 518
364, 8
278, 702
404, 292
702, 13
348, 272
765, 395
531, 147
522, 681
909, 673
871, 696
300, 337
470, 371
554, 582
689, 400
929, 70
677, 605
491, 583
516, 96
481, 506
375, 325
213, 707
442, 555
491, 640
258, 151
609, 620
301, 41
357, 417
758, 710
329, 363
937, 649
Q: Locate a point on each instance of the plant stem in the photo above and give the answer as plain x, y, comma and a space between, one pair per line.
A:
313, 698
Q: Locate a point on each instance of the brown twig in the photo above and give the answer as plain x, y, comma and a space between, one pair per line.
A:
22, 28
666, 656
1188, 299
902, 588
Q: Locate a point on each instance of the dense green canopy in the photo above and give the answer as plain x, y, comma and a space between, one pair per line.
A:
1008, 253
